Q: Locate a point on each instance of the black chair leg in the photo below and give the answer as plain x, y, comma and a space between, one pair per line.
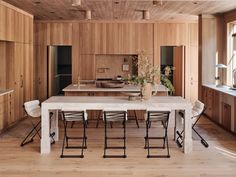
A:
32, 134
203, 141
148, 147
106, 138
98, 118
66, 143
136, 119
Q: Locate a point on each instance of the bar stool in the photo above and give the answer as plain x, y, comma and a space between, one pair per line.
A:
117, 115
33, 110
74, 116
161, 116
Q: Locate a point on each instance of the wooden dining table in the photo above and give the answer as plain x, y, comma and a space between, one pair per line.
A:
56, 103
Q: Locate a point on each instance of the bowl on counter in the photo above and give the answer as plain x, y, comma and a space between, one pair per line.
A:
132, 96
112, 84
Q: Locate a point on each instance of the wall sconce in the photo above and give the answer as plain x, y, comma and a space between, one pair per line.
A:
223, 66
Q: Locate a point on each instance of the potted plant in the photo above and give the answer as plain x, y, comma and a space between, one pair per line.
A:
148, 76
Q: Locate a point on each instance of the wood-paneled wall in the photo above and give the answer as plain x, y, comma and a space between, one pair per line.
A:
91, 38
16, 51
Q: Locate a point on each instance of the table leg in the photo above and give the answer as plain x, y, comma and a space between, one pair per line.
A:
45, 147
54, 125
188, 143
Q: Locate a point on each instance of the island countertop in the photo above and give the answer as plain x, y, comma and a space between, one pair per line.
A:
93, 88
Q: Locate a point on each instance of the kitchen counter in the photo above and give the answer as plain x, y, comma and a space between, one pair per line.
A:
93, 88
223, 88
3, 91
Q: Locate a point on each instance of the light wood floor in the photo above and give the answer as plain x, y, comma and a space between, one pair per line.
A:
217, 160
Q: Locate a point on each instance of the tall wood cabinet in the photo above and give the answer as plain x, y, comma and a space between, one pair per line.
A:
16, 51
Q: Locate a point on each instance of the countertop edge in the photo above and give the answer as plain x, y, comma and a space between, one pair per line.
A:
93, 89
224, 89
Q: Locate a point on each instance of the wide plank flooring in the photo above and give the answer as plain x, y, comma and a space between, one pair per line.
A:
217, 160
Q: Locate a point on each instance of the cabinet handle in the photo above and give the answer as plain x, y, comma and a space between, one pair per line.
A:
22, 82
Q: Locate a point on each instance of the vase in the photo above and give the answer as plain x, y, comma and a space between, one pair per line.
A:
146, 91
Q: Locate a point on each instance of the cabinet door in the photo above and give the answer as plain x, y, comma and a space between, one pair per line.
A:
226, 116
19, 80
2, 111
87, 67
7, 25
178, 74
208, 102
28, 79
216, 107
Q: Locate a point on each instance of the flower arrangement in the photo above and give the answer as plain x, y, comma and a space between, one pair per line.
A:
147, 72
166, 81
151, 74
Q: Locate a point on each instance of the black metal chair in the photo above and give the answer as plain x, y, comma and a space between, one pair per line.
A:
163, 118
33, 110
115, 116
74, 116
197, 111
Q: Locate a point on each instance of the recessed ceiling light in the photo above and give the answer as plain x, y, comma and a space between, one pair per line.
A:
76, 2
88, 15
155, 2
37, 2
146, 15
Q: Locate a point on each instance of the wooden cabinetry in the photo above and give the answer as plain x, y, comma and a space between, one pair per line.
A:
6, 110
123, 38
208, 100
87, 67
7, 25
16, 57
220, 108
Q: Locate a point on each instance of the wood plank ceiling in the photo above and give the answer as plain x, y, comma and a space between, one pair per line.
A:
122, 9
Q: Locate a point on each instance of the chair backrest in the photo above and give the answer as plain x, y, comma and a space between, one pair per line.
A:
113, 115
74, 116
158, 116
198, 108
32, 108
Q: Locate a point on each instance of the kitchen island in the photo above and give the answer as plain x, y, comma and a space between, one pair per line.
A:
92, 90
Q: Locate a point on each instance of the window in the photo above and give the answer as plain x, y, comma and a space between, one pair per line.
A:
231, 52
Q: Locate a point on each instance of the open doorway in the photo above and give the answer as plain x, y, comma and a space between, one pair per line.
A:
59, 69
174, 56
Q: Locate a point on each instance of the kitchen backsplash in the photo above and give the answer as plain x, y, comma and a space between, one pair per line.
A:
110, 66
